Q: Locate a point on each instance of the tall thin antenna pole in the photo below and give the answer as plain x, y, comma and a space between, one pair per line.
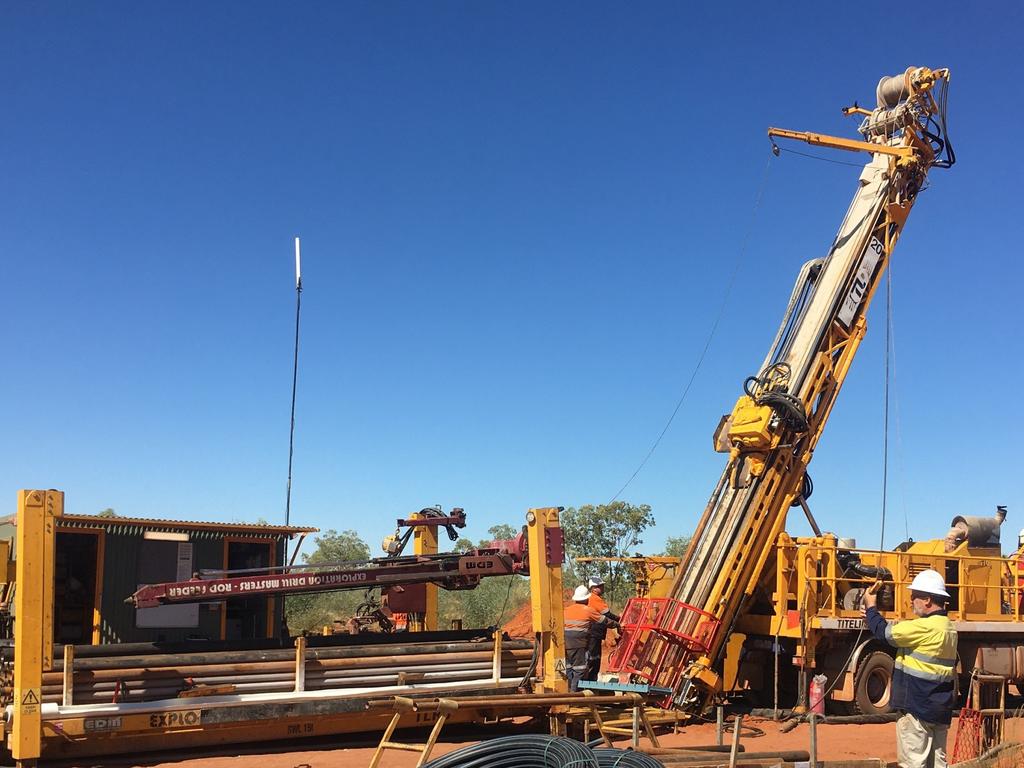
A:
295, 379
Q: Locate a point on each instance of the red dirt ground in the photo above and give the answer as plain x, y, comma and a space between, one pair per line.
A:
834, 742
521, 623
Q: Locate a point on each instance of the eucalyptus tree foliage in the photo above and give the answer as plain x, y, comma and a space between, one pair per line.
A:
675, 546
606, 530
311, 612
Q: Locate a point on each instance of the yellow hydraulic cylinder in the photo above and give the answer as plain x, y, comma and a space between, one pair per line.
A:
33, 609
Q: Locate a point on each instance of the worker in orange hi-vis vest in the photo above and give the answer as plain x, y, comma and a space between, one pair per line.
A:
580, 620
600, 631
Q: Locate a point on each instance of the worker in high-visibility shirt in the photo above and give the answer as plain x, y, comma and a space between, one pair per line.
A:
600, 631
922, 682
580, 620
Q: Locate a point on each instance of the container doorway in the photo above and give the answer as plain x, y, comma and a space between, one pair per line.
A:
77, 560
248, 618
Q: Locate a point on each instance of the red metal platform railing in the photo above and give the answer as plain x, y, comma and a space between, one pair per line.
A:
659, 637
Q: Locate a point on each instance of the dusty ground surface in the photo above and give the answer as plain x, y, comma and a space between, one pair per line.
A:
834, 742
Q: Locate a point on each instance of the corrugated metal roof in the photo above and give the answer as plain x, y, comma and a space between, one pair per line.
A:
156, 524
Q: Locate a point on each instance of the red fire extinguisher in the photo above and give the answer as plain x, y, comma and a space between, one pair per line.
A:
817, 694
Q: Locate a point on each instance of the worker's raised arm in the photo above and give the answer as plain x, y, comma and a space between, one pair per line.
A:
878, 626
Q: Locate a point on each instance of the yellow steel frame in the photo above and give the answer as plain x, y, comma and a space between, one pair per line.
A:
809, 576
33, 610
185, 727
424, 542
807, 581
546, 601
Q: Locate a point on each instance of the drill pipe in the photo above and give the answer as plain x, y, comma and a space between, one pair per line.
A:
288, 654
311, 676
262, 644
199, 675
151, 690
312, 665
263, 671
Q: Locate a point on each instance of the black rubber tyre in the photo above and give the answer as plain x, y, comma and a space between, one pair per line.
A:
872, 684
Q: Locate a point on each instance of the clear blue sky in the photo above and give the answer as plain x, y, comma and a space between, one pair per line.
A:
519, 222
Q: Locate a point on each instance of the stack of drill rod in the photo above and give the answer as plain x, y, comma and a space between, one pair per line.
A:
101, 679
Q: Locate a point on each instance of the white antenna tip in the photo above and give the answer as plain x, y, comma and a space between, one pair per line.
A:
298, 265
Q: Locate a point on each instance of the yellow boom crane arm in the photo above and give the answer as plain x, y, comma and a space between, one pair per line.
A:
772, 431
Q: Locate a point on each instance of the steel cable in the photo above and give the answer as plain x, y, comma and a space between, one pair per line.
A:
711, 333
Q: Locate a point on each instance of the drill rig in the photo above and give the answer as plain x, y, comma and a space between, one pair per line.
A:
678, 642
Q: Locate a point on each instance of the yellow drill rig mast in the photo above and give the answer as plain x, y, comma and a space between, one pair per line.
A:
678, 642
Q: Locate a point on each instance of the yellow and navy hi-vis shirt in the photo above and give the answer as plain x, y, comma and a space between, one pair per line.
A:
922, 682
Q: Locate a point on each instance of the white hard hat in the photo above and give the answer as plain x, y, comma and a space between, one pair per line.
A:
930, 582
581, 594
596, 581
1021, 534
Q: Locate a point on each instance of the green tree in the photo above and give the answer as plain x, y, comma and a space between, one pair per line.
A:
675, 546
605, 530
310, 612
501, 531
494, 600
492, 603
108, 512
334, 547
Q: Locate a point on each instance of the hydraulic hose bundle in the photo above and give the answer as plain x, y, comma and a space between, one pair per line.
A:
771, 388
537, 751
